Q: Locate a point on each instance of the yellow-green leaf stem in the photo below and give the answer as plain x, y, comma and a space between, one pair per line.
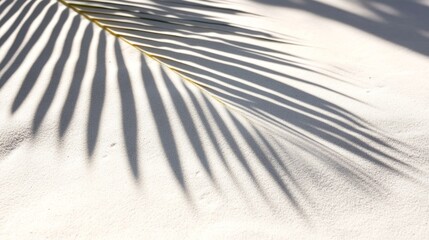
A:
155, 57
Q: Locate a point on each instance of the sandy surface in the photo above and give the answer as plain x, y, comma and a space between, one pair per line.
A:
303, 120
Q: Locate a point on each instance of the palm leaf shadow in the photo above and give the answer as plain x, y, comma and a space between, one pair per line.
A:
404, 24
205, 52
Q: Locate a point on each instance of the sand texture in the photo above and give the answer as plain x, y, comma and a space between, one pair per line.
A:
239, 119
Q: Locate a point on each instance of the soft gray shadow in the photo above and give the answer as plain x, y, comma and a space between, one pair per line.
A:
205, 51
34, 72
98, 92
57, 74
164, 129
404, 23
75, 86
19, 39
129, 118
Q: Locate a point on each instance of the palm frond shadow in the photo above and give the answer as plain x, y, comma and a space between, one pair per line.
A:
403, 23
208, 54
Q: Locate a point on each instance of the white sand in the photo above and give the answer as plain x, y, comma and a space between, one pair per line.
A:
98, 142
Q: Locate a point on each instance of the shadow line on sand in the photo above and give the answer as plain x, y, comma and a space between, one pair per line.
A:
402, 22
216, 57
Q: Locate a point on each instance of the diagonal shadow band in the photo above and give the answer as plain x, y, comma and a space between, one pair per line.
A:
403, 23
208, 54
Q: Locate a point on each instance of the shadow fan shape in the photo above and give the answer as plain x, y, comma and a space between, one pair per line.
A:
191, 40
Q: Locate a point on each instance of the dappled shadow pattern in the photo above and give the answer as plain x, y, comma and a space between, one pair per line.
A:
221, 59
402, 22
